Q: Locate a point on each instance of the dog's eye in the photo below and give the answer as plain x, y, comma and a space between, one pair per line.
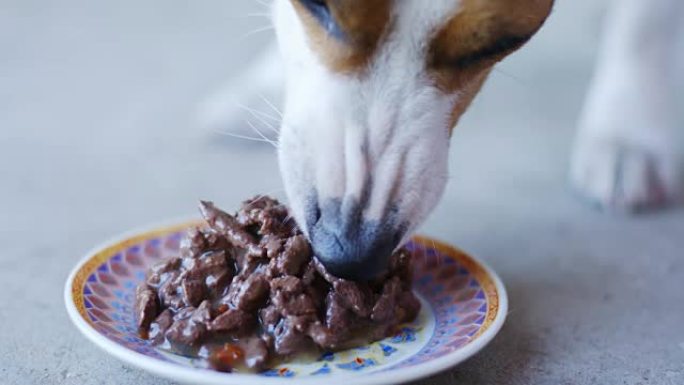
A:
321, 12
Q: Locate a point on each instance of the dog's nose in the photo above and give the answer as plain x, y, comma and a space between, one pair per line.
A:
348, 245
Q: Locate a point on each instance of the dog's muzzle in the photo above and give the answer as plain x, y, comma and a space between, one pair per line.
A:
350, 246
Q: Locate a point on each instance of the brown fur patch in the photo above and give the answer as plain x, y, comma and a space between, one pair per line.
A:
466, 97
482, 33
363, 24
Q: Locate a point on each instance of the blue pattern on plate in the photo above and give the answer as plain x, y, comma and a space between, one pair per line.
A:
325, 369
388, 350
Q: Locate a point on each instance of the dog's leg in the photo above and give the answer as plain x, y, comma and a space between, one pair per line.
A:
247, 99
625, 157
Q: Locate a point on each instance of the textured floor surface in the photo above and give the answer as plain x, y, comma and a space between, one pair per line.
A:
97, 135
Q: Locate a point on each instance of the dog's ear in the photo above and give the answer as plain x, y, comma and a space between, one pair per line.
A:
344, 33
482, 33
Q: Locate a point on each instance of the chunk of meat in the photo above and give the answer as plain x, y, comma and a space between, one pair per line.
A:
338, 319
188, 330
410, 306
354, 297
269, 317
300, 304
159, 272
267, 214
233, 320
295, 254
227, 225
322, 336
288, 340
194, 291
272, 245
250, 293
385, 307
159, 326
202, 314
217, 283
288, 284
169, 293
400, 266
211, 262
256, 353
146, 306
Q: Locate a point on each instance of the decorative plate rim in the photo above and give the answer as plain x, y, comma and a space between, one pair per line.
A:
491, 284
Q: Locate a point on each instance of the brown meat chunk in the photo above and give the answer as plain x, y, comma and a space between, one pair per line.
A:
300, 304
338, 319
158, 272
169, 293
189, 328
211, 262
272, 245
202, 314
322, 336
256, 353
160, 325
217, 283
227, 225
385, 308
287, 284
354, 297
193, 244
267, 214
410, 306
297, 252
250, 293
146, 306
269, 317
233, 320
194, 291
400, 266
288, 340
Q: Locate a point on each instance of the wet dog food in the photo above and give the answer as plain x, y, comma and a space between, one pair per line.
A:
246, 290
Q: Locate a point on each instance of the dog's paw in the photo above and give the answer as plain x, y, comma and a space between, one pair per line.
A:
620, 177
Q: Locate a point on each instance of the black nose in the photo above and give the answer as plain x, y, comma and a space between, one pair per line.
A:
349, 246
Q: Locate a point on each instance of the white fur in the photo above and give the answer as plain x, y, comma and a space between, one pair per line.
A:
625, 156
387, 129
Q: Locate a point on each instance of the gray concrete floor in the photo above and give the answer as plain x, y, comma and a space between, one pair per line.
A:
97, 136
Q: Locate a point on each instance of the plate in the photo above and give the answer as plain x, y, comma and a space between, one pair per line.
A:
464, 306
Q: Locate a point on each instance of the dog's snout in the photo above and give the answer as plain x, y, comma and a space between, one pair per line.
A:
349, 245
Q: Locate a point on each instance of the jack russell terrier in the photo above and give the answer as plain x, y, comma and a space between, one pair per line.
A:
373, 89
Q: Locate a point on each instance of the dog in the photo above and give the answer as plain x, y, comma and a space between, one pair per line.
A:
374, 88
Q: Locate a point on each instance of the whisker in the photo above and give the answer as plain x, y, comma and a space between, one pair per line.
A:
273, 107
265, 3
256, 114
266, 124
238, 136
250, 16
509, 75
274, 144
254, 32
